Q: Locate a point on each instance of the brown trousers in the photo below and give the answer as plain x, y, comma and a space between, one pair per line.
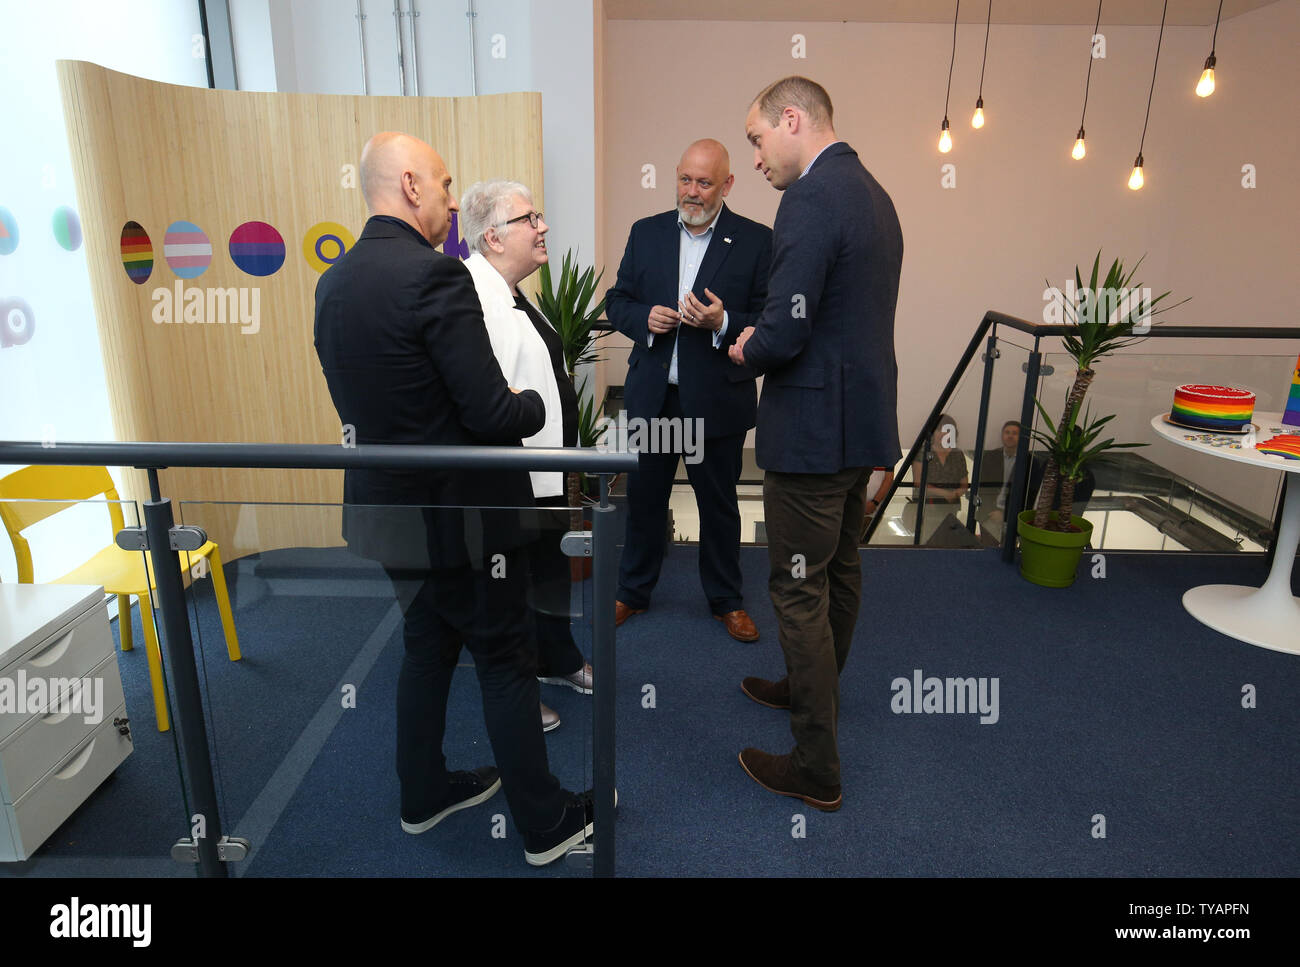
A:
813, 522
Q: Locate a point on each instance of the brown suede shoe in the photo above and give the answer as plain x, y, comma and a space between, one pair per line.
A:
622, 612
771, 694
739, 625
775, 774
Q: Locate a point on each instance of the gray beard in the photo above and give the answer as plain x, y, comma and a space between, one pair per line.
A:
695, 221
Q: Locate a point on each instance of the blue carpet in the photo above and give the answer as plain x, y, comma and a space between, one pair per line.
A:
1113, 702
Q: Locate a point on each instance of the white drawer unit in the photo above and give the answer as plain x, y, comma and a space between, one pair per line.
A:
61, 709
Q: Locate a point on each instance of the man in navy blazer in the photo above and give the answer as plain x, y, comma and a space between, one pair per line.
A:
690, 281
825, 342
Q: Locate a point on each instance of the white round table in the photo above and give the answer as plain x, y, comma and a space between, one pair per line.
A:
1267, 616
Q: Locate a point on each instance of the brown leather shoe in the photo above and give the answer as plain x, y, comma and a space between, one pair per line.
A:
771, 694
622, 612
775, 774
739, 625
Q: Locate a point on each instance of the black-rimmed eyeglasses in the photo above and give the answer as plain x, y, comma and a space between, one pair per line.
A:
533, 218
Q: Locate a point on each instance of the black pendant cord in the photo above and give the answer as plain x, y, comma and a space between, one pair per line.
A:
1152, 92
1088, 83
1215, 38
987, 23
954, 58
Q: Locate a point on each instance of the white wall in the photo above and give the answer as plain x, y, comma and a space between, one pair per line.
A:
54, 382
520, 45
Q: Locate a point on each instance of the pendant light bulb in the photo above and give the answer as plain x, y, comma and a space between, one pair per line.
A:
1079, 148
945, 139
1135, 180
977, 121
1205, 86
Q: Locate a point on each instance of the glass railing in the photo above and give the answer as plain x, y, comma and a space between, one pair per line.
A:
298, 643
89, 762
1159, 497
357, 651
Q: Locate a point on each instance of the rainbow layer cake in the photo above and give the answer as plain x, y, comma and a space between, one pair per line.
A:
1213, 407
1286, 445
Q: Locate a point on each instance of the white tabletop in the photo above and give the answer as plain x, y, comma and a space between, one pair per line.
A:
1233, 446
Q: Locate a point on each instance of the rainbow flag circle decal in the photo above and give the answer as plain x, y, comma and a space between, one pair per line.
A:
67, 228
325, 243
8, 232
187, 250
257, 248
137, 253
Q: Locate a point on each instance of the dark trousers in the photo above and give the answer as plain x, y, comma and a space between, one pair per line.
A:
815, 581
558, 654
442, 609
648, 489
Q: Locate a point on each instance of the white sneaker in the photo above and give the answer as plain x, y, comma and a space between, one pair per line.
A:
579, 681
550, 719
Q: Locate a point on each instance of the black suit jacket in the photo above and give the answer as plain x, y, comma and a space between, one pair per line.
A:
734, 269
400, 335
825, 339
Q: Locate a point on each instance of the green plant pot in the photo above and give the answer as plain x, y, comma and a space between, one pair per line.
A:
1050, 559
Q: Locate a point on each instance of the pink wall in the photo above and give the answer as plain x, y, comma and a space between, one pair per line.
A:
1022, 210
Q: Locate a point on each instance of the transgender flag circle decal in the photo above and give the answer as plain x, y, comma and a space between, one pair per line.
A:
137, 253
257, 248
187, 250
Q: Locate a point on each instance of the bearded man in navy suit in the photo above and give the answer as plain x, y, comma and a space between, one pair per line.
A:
690, 281
825, 342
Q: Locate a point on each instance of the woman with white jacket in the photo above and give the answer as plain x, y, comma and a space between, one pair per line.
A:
507, 240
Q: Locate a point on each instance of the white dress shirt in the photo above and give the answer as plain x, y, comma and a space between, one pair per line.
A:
690, 253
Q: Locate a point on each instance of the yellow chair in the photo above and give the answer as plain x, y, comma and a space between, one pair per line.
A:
42, 492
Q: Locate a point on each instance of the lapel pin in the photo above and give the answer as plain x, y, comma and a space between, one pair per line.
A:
727, 240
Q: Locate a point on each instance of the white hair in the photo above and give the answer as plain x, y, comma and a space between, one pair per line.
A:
486, 204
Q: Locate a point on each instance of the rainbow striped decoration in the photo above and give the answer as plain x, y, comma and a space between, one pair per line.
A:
187, 250
1292, 415
67, 228
1287, 445
137, 253
1212, 407
257, 248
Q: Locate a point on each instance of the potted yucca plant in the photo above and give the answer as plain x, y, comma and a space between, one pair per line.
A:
1102, 323
1050, 556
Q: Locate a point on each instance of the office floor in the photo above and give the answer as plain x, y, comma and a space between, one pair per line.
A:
1116, 714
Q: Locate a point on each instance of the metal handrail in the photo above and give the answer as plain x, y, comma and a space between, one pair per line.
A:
1039, 330
313, 456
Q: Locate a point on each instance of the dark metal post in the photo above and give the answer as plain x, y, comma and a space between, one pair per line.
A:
1020, 476
188, 711
604, 587
974, 496
925, 472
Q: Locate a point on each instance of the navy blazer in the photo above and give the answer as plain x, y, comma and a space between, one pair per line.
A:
825, 340
400, 335
734, 269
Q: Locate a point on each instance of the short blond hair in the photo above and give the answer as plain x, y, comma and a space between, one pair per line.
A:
795, 91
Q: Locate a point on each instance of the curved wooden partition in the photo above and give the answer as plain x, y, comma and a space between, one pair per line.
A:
241, 367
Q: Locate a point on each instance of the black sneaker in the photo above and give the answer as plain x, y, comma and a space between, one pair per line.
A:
574, 828
467, 789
